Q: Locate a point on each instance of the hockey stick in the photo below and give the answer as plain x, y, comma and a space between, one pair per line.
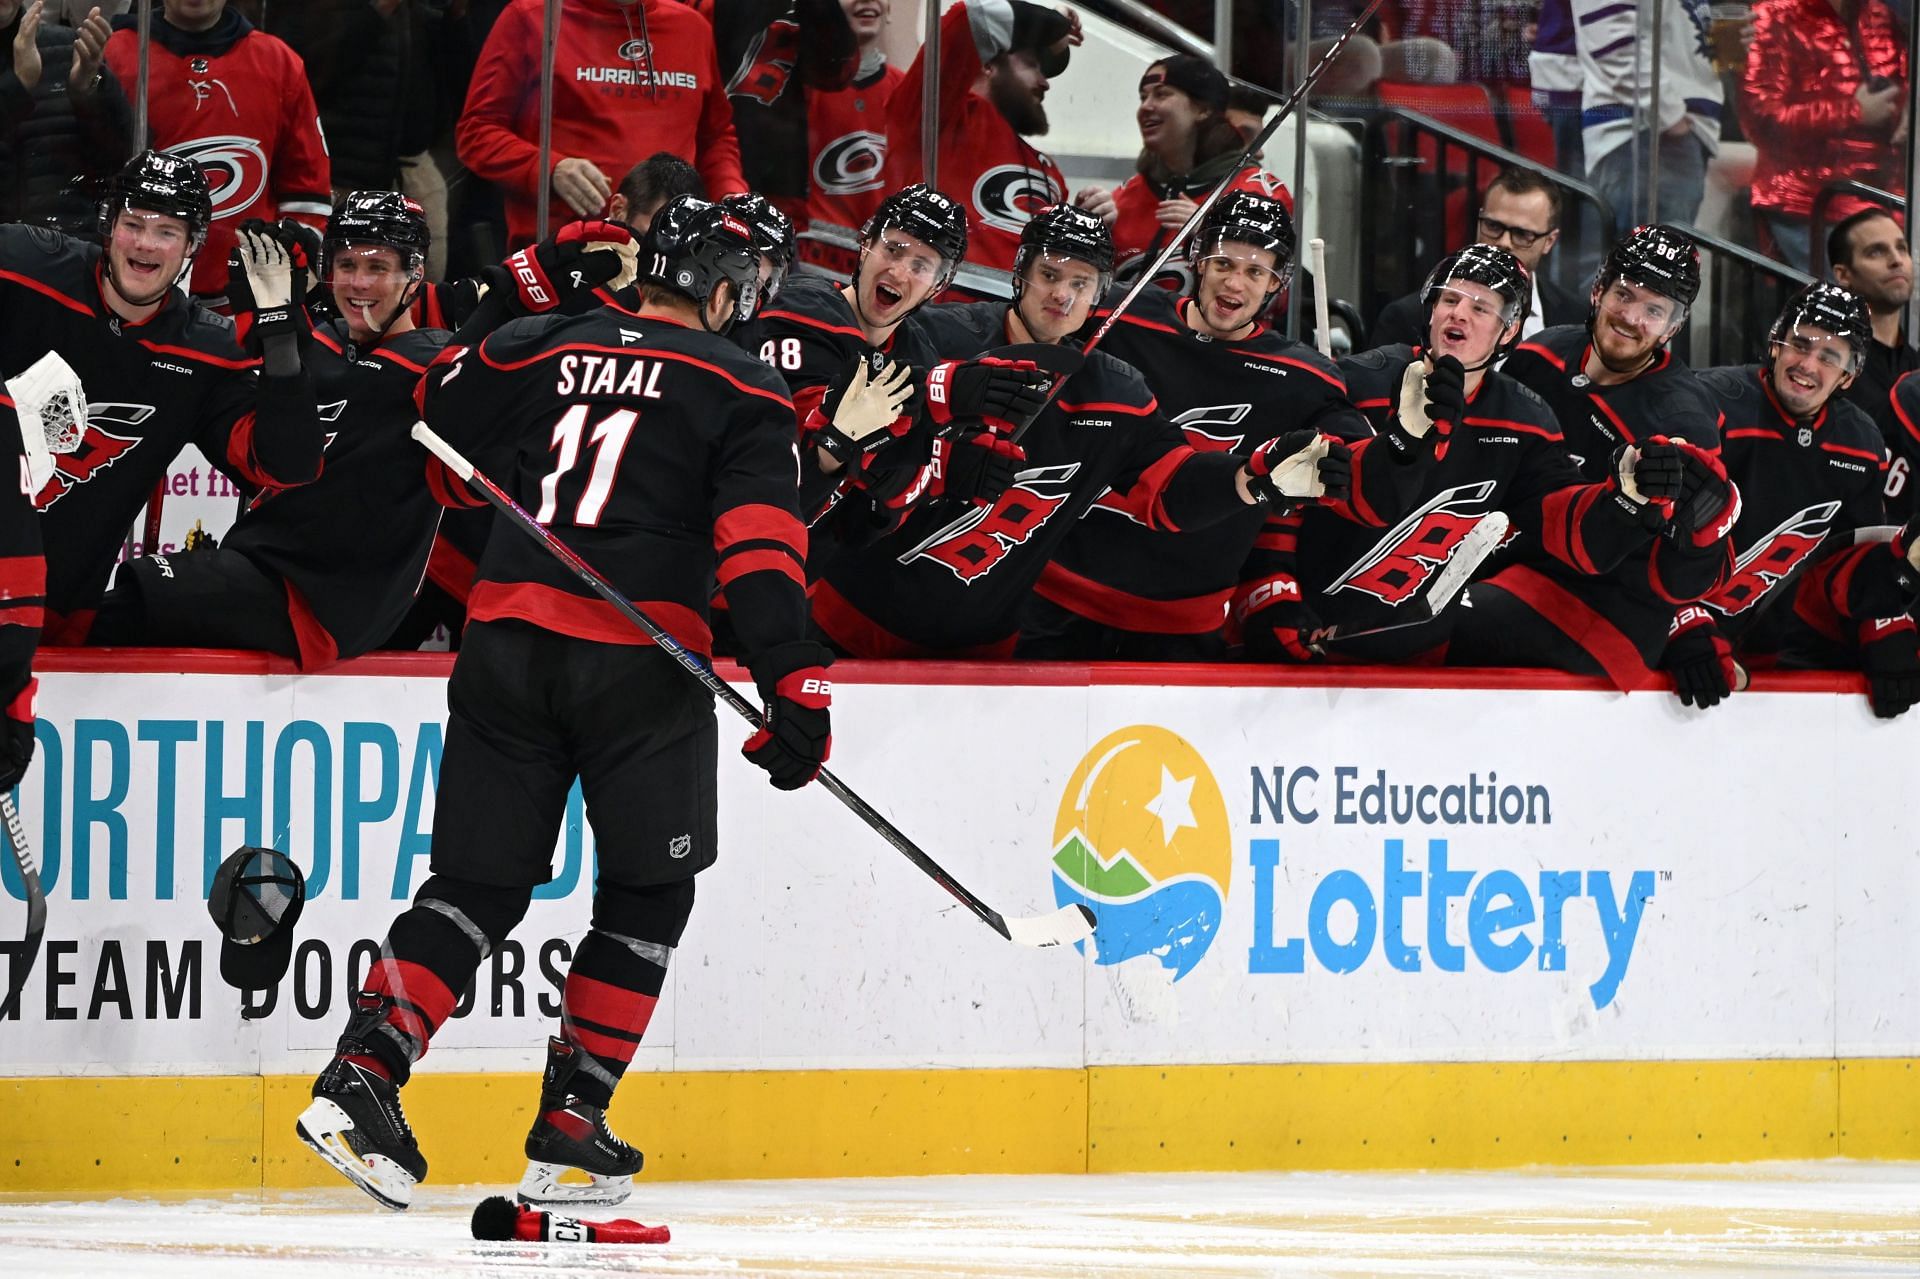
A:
25, 950
1066, 925
1480, 541
1322, 323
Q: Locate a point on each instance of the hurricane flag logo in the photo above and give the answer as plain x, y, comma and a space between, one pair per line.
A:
1142, 838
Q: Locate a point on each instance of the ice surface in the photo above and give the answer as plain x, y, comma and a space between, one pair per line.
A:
1819, 1219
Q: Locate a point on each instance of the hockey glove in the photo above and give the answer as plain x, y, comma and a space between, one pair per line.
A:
863, 413
1709, 504
1646, 479
264, 283
559, 269
1699, 658
1004, 394
1431, 404
977, 467
303, 243
16, 737
1277, 627
1906, 546
1300, 464
798, 735
1890, 657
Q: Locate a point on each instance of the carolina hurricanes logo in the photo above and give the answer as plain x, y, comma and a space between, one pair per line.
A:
1412, 550
236, 170
98, 450
1773, 558
850, 164
1176, 275
764, 72
636, 50
1225, 436
1008, 195
973, 551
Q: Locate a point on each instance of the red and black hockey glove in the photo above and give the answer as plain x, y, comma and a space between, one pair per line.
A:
560, 268
862, 412
1276, 625
977, 467
1890, 656
1300, 466
1645, 480
1709, 504
16, 736
266, 284
798, 735
304, 242
1699, 658
1004, 394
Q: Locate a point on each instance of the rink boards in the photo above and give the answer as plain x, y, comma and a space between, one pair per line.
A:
1349, 920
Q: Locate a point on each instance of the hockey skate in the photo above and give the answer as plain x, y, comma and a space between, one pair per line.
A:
355, 1122
570, 1135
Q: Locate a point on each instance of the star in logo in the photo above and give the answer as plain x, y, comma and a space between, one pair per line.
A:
1173, 805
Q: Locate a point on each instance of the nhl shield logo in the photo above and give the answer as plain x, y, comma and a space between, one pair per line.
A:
679, 846
1805, 436
199, 66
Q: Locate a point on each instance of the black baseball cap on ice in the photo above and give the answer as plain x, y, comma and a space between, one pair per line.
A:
256, 899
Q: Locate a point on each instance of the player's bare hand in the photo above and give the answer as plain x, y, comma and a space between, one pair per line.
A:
1174, 212
1099, 202
89, 51
1878, 106
1075, 36
26, 49
582, 186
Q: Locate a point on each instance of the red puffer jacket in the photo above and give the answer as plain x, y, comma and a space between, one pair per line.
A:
1798, 101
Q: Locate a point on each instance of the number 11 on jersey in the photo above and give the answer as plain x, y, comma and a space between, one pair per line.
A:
608, 439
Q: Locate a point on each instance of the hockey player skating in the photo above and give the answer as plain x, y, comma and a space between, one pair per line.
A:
1809, 463
1611, 383
663, 455
1457, 441
952, 579
1118, 589
160, 370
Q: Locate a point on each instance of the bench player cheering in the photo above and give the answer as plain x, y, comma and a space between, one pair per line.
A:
161, 370
1118, 589
664, 455
997, 508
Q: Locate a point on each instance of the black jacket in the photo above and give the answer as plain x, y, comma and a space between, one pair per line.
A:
57, 150
1399, 321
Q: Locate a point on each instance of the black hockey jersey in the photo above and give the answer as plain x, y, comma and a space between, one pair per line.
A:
152, 388
663, 455
1226, 397
352, 546
1900, 430
1358, 561
1620, 616
960, 592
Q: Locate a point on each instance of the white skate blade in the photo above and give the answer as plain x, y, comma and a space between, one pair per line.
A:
324, 1126
542, 1187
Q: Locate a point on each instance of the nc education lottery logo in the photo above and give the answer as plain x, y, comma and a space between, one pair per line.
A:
1142, 838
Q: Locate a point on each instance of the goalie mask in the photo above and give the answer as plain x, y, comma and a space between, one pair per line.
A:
772, 237
1246, 217
1841, 313
1494, 268
693, 245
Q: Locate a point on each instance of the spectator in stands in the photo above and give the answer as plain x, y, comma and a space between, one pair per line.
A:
65, 125
1187, 147
236, 102
996, 60
847, 129
1867, 253
1824, 99
1247, 112
648, 185
1614, 41
1520, 213
623, 69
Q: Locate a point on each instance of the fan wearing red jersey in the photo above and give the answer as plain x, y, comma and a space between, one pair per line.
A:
847, 130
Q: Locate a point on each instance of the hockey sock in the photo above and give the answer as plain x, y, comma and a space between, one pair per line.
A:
430, 956
616, 979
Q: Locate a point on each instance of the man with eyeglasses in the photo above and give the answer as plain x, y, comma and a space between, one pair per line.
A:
1613, 384
1521, 213
1117, 589
1457, 440
1807, 588
1006, 491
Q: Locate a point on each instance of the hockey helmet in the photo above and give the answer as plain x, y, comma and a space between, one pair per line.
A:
772, 236
693, 245
1063, 231
387, 219
1496, 269
939, 221
1828, 306
161, 183
1247, 217
1656, 257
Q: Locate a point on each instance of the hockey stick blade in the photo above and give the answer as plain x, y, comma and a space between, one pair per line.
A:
1482, 540
20, 965
1043, 930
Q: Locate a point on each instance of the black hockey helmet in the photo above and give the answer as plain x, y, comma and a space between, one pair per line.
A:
387, 219
772, 235
937, 220
1657, 257
1247, 217
693, 245
161, 183
1064, 231
1497, 269
1839, 311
